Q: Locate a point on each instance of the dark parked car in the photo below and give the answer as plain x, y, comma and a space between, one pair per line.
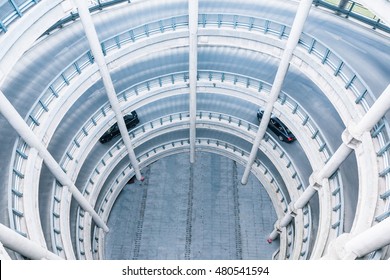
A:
279, 128
131, 121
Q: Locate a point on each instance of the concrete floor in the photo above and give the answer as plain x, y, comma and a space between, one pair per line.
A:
191, 212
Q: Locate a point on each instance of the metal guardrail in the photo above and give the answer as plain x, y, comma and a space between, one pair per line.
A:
11, 10
94, 5
325, 55
350, 11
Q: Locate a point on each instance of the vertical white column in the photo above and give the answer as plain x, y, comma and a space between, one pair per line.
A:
24, 246
295, 33
97, 52
372, 117
17, 122
193, 7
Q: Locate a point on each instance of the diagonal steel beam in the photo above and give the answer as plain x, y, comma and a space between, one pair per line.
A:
21, 127
368, 121
295, 33
97, 52
24, 246
369, 240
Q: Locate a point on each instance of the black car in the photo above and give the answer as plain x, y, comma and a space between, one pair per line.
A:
131, 121
279, 128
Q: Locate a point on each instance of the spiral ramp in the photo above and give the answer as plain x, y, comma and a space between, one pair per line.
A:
199, 177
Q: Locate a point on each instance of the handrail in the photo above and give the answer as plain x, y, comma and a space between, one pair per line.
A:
376, 24
14, 11
93, 7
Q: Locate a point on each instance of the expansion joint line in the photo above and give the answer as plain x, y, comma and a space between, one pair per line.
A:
187, 255
140, 223
236, 208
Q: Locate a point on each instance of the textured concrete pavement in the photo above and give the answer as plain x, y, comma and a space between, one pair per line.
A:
191, 212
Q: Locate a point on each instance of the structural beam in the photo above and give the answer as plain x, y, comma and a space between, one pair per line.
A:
295, 33
17, 122
369, 240
97, 52
351, 135
3, 253
24, 246
193, 7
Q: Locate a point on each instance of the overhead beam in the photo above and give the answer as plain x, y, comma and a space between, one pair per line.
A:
98, 55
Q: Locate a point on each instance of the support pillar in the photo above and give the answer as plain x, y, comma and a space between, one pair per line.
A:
17, 122
95, 46
351, 137
24, 246
342, 5
295, 33
193, 71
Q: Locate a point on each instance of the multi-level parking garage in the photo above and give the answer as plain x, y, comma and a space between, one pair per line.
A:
199, 176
